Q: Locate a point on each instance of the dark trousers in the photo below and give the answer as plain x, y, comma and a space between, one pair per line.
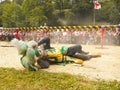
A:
76, 52
45, 42
74, 49
82, 56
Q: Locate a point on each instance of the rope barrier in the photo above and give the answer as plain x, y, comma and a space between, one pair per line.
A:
51, 28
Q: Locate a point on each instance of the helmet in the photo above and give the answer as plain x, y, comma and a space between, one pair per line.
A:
64, 50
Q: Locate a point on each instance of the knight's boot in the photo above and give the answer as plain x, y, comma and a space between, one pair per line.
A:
95, 56
45, 42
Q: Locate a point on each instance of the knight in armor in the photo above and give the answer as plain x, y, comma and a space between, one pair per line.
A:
73, 53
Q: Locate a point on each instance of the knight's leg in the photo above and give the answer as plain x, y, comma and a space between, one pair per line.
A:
46, 42
84, 56
75, 49
79, 49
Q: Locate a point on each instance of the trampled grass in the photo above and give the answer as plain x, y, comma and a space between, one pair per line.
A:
12, 79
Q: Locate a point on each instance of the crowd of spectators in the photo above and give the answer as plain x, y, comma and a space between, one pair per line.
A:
71, 36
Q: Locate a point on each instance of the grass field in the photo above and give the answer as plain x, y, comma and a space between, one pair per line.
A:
12, 79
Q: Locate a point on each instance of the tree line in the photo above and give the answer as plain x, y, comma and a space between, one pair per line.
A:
34, 13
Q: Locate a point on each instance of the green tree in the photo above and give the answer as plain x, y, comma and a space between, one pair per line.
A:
114, 16
49, 11
27, 13
83, 10
1, 11
12, 15
116, 12
33, 12
18, 1
109, 13
83, 7
117, 4
63, 11
37, 17
68, 15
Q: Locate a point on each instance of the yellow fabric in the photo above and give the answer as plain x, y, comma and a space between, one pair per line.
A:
76, 60
55, 54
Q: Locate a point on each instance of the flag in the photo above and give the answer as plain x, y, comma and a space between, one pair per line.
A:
97, 5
